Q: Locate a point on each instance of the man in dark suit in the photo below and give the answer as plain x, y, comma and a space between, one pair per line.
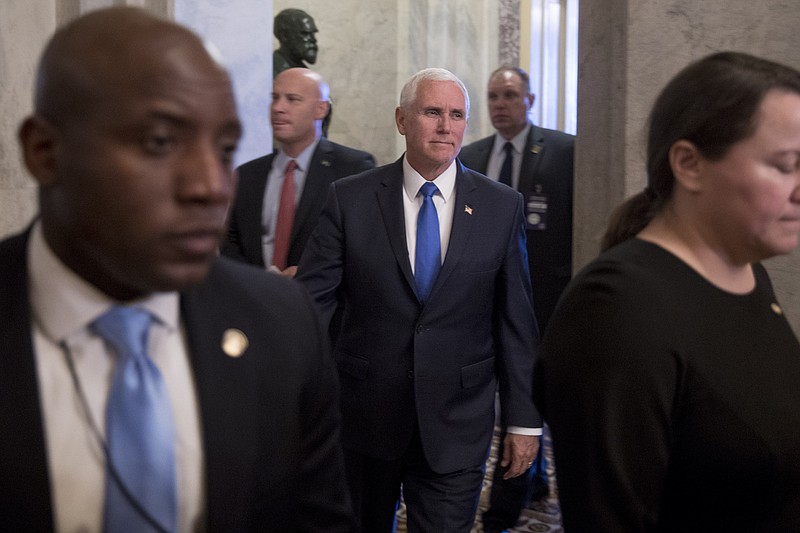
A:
437, 311
299, 103
130, 142
541, 168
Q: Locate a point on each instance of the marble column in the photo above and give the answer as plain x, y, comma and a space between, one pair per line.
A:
509, 36
628, 50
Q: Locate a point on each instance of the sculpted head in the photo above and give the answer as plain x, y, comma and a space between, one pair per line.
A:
295, 29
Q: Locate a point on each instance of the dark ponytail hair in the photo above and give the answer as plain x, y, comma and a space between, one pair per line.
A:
712, 103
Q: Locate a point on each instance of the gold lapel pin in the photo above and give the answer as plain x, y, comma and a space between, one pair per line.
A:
326, 163
536, 149
234, 342
468, 209
776, 308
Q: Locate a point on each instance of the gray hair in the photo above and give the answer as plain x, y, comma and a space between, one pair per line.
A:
409, 92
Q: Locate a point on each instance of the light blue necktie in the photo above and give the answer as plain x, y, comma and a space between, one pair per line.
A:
428, 255
508, 163
140, 432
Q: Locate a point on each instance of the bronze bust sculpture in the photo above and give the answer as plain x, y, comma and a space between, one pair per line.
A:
294, 29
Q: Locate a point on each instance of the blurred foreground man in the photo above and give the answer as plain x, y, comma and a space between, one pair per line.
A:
145, 384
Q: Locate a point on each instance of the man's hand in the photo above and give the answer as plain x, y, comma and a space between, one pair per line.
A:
289, 272
519, 451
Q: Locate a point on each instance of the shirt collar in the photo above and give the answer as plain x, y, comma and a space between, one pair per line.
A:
303, 160
518, 141
64, 303
413, 180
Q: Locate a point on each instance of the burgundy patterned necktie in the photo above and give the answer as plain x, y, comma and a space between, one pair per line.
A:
283, 227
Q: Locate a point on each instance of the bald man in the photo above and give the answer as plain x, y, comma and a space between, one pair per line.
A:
300, 100
131, 143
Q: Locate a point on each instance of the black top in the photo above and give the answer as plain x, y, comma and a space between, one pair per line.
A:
674, 405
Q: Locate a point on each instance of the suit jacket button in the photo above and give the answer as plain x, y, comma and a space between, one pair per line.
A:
420, 329
410, 374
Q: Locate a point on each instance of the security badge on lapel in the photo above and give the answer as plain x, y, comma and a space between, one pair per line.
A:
536, 210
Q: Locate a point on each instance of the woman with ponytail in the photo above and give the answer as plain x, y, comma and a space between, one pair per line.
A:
669, 376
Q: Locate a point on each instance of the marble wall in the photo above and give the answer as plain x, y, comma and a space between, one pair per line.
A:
628, 50
366, 60
24, 28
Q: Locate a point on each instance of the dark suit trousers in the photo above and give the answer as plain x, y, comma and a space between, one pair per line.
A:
435, 503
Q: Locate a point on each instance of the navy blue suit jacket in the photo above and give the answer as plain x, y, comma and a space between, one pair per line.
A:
270, 426
329, 162
436, 365
546, 172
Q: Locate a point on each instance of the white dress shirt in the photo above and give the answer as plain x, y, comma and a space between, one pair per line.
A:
498, 155
443, 200
63, 305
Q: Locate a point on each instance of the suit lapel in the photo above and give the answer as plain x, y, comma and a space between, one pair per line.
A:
466, 202
24, 485
390, 201
484, 152
317, 179
531, 159
226, 395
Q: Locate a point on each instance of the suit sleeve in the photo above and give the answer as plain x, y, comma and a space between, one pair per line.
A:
367, 163
325, 504
232, 246
516, 331
321, 267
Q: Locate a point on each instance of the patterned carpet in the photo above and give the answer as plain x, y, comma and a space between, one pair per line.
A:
539, 517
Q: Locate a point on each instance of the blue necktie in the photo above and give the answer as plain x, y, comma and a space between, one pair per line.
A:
428, 255
140, 432
508, 163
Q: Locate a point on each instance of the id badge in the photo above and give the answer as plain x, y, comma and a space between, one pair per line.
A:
536, 212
